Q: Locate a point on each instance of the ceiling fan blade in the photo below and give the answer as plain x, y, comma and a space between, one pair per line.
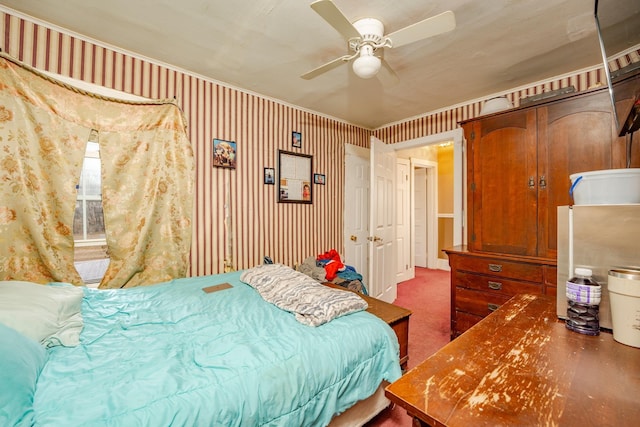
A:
386, 75
446, 21
330, 13
326, 67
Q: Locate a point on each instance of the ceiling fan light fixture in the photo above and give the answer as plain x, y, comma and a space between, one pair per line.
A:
366, 36
366, 66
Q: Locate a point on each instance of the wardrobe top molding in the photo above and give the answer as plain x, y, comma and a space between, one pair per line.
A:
561, 97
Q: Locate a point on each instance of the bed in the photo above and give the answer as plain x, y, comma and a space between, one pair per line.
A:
173, 354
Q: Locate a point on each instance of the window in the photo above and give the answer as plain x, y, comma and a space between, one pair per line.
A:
91, 258
88, 222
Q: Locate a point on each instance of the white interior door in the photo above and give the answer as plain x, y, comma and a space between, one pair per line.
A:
382, 257
404, 263
356, 210
420, 217
430, 205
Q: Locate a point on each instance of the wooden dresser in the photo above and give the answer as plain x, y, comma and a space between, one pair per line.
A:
395, 316
480, 283
521, 366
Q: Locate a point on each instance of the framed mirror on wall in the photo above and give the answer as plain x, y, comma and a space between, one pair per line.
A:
294, 177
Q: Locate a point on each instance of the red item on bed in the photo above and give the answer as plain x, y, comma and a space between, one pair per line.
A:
333, 263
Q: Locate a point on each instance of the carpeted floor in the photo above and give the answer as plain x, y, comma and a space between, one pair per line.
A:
428, 296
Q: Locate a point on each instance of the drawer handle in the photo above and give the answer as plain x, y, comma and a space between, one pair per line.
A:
496, 286
492, 307
496, 268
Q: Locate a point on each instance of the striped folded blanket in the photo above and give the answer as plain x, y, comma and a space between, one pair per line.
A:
311, 302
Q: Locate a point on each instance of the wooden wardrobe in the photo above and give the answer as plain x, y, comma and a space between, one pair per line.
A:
518, 167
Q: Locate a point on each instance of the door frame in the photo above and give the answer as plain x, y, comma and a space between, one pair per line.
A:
407, 185
457, 136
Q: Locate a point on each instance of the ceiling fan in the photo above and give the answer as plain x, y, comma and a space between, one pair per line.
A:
366, 39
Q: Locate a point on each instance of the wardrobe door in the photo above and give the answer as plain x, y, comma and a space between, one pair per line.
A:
503, 183
575, 135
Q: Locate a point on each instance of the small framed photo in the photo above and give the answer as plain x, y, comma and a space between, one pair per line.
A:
296, 139
269, 176
224, 154
319, 178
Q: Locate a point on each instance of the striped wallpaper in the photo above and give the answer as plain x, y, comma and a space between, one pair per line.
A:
260, 126
449, 118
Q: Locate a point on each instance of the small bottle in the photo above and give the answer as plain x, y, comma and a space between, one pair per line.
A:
583, 297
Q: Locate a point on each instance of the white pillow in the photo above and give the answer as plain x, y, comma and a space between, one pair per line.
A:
48, 314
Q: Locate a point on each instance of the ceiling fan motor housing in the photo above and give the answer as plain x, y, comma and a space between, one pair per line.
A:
371, 29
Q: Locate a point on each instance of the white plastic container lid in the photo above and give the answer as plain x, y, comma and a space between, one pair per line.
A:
583, 271
606, 187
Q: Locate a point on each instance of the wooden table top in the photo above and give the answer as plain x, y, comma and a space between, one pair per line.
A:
520, 366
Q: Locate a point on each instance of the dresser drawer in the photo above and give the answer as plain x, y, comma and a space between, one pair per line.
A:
499, 285
478, 302
500, 267
463, 322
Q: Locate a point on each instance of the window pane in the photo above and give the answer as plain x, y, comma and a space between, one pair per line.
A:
91, 257
91, 177
95, 220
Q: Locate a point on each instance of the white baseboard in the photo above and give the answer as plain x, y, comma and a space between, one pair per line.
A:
443, 264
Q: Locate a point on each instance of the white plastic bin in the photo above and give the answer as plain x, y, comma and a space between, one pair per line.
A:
624, 296
606, 187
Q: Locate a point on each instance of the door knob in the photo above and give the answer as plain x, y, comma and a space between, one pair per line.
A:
354, 238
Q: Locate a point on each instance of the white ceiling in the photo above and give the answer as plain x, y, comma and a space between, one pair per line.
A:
263, 46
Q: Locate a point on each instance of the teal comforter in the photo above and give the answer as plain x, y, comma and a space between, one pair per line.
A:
171, 354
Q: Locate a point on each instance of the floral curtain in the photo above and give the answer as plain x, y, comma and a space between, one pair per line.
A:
147, 177
147, 197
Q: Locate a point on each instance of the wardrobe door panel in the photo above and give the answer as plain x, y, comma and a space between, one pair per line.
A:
503, 183
574, 136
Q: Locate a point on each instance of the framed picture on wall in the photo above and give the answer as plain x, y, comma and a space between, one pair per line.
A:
296, 139
294, 177
269, 176
224, 154
319, 178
